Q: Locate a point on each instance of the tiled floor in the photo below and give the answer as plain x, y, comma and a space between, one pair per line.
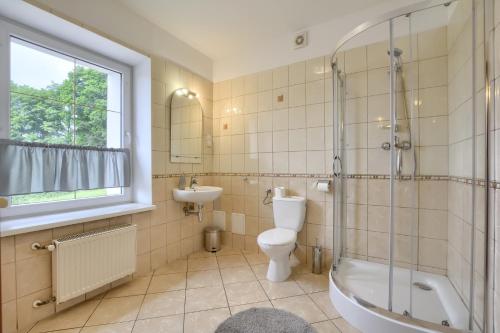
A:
196, 295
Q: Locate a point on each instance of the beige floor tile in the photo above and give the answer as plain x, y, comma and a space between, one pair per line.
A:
199, 279
260, 270
114, 310
312, 282
234, 260
202, 264
205, 321
302, 306
163, 304
205, 299
227, 251
344, 326
73, 317
134, 287
177, 266
256, 258
325, 327
238, 308
201, 254
172, 324
281, 289
301, 269
244, 293
237, 274
167, 282
322, 299
110, 328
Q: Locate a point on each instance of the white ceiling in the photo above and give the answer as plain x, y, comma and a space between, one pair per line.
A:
222, 29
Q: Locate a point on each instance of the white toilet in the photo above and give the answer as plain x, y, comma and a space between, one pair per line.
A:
278, 243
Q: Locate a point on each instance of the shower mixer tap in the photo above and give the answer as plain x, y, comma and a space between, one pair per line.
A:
400, 146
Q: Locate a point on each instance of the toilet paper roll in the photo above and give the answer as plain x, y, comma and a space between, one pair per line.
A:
323, 186
279, 192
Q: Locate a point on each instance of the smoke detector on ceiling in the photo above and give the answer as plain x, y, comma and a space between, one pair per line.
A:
300, 40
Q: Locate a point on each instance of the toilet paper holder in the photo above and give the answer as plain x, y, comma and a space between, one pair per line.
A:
323, 185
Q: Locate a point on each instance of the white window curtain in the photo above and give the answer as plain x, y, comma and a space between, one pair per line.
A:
27, 168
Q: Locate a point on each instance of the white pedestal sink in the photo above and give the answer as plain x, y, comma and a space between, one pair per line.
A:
198, 194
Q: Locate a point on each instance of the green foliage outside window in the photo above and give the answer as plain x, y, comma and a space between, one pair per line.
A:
72, 112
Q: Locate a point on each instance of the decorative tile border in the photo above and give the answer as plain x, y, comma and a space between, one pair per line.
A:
284, 175
463, 180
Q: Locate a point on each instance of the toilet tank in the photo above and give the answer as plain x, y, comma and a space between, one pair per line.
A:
289, 212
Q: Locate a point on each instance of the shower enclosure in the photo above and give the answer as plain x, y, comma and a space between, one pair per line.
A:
410, 169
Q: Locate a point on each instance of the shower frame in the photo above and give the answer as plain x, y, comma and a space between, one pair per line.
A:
338, 90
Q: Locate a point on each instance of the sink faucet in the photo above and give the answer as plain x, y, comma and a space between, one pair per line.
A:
193, 182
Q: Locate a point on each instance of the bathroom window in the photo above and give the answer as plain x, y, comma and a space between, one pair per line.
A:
60, 94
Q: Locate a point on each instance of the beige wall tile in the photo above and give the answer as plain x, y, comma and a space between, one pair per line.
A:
8, 250
8, 282
33, 274
297, 73
9, 317
23, 243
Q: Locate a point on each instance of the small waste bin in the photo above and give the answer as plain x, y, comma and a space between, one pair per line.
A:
212, 239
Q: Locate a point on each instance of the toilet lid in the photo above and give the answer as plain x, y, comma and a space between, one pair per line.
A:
277, 236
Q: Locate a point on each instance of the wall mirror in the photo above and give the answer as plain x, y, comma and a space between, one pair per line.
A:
186, 127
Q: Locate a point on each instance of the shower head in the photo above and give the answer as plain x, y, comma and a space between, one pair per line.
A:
397, 52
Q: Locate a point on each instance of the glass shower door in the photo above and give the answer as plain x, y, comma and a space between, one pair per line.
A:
361, 165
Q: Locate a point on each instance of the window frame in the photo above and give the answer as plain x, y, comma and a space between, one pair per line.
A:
8, 30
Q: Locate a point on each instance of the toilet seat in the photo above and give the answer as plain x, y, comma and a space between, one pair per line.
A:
277, 236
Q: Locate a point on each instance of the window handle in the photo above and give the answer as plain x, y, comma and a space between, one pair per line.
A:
128, 138
4, 203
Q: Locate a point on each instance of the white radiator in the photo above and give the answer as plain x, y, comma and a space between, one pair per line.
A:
87, 261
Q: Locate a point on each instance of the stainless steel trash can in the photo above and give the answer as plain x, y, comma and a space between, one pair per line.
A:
212, 239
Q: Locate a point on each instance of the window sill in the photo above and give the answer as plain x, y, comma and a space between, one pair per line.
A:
21, 225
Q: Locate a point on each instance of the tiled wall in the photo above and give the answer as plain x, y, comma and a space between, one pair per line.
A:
174, 235
421, 206
277, 121
274, 128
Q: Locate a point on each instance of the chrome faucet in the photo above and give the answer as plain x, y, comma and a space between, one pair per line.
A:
193, 182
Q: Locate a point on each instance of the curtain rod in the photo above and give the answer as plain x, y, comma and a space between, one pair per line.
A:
60, 146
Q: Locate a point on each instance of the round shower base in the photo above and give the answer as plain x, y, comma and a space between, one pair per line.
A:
359, 291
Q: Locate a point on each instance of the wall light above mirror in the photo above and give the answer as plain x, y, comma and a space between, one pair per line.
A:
186, 93
186, 127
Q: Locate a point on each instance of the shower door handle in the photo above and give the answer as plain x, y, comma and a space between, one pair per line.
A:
337, 162
399, 162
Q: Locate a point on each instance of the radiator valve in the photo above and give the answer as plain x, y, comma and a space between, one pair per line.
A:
36, 246
38, 303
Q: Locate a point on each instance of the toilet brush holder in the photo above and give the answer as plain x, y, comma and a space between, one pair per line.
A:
316, 262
